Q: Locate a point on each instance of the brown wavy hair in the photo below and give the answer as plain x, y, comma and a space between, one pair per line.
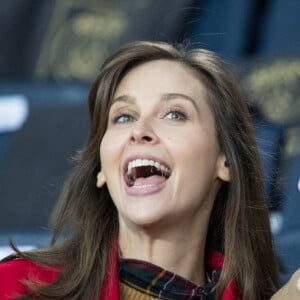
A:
239, 224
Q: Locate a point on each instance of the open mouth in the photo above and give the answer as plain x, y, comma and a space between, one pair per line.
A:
147, 171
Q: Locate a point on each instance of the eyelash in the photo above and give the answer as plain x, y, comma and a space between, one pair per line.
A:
116, 120
181, 116
178, 112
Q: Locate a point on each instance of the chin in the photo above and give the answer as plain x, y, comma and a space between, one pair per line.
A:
143, 218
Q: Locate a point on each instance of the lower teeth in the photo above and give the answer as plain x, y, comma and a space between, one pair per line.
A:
131, 180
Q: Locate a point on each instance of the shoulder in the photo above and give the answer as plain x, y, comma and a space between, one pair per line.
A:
14, 272
290, 290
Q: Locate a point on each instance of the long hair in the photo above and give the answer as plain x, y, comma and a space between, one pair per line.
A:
239, 224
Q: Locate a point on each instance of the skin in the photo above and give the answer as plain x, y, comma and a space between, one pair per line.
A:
160, 110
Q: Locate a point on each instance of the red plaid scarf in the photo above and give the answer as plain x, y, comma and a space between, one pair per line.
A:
110, 289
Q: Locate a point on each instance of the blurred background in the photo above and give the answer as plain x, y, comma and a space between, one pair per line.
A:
51, 51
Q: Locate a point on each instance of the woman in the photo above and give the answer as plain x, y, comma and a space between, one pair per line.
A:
177, 210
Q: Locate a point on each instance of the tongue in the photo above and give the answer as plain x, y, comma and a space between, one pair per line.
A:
151, 180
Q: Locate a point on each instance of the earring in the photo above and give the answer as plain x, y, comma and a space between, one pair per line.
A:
100, 180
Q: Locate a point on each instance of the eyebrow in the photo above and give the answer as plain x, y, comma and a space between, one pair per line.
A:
123, 98
172, 96
164, 97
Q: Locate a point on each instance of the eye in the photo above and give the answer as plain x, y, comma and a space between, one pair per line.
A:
176, 115
124, 118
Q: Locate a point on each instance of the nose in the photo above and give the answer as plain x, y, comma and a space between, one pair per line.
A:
143, 133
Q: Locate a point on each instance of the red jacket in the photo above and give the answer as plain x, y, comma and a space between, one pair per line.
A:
13, 272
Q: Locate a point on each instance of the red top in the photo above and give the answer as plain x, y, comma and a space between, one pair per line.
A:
13, 272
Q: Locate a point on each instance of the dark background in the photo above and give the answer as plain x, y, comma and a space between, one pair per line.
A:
51, 50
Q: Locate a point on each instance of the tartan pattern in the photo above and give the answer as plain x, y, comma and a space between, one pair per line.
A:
156, 282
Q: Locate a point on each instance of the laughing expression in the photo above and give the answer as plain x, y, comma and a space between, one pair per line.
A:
160, 154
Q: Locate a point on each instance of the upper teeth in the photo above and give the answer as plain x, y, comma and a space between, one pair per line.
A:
146, 162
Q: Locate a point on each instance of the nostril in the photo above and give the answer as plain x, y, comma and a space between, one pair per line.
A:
147, 138
142, 134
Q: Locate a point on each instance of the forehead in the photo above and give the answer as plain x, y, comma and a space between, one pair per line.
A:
161, 76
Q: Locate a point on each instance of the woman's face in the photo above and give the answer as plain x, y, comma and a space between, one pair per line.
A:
160, 155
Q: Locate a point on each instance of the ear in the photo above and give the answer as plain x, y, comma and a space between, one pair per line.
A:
100, 180
223, 168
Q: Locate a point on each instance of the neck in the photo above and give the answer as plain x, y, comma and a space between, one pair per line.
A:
180, 249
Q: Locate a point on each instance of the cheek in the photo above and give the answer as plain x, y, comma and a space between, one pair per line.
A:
196, 146
205, 153
103, 149
108, 158
197, 158
107, 151
111, 148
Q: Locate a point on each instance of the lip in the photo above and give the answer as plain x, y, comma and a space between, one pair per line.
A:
147, 189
